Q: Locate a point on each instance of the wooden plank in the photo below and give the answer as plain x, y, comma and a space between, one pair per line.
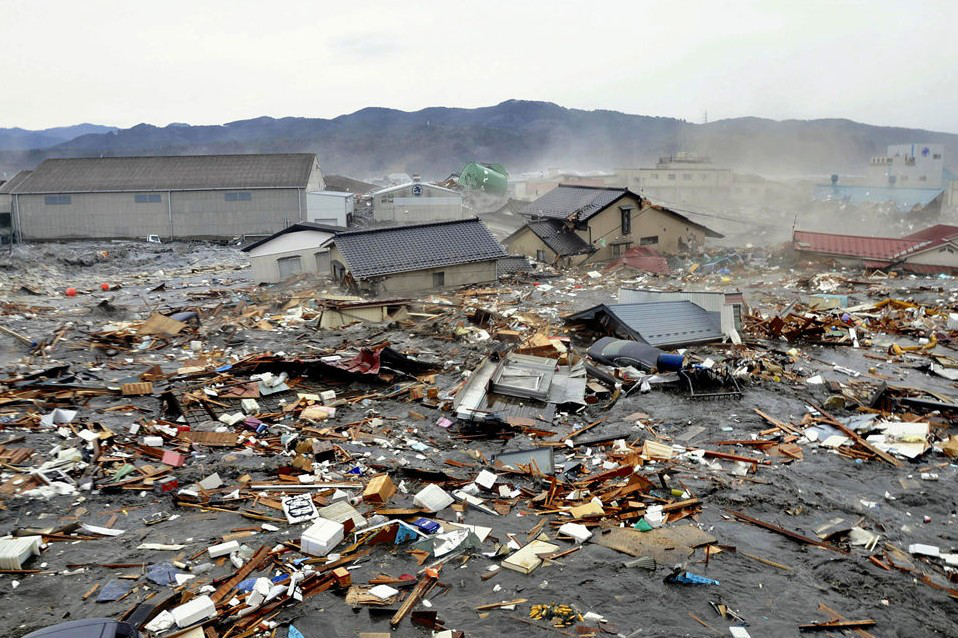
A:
852, 434
795, 536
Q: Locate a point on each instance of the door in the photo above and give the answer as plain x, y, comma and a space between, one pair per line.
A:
322, 262
289, 266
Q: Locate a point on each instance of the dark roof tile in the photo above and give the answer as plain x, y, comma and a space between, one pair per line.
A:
396, 249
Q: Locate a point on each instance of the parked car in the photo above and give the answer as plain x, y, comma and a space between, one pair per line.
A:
88, 628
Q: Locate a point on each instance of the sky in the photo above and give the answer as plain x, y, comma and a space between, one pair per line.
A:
211, 61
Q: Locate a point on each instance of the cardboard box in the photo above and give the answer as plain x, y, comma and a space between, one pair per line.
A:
379, 490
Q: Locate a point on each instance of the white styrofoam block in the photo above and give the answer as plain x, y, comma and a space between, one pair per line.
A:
250, 406
200, 608
211, 482
321, 537
327, 395
223, 549
579, 532
486, 479
433, 498
924, 550
383, 592
153, 441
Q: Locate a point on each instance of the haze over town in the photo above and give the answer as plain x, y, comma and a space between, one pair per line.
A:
374, 319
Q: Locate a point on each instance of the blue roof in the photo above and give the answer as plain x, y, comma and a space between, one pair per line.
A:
903, 198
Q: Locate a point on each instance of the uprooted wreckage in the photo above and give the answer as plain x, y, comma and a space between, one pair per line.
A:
422, 460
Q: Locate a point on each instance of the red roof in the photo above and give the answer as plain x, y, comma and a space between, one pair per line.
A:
938, 231
851, 245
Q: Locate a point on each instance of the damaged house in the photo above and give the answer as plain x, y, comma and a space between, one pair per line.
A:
928, 251
419, 257
663, 324
597, 224
291, 251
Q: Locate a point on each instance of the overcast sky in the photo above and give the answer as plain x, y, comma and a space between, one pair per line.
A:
211, 61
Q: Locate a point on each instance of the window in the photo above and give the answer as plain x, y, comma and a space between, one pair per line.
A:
903, 178
322, 262
620, 249
672, 177
703, 176
56, 200
289, 266
239, 196
653, 175
936, 156
147, 198
649, 241
687, 176
541, 256
922, 178
626, 221
438, 279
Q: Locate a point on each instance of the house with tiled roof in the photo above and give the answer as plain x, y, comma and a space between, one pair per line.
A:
574, 225
931, 250
411, 258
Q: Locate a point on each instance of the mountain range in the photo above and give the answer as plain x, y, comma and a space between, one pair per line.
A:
522, 135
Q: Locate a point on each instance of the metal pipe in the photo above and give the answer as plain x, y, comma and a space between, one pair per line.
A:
299, 199
169, 206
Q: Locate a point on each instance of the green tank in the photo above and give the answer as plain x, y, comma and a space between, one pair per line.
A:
488, 178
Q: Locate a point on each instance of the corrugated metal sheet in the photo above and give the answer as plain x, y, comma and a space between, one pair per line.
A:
665, 324
850, 245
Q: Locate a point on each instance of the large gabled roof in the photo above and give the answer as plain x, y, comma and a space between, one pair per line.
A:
292, 228
397, 249
170, 173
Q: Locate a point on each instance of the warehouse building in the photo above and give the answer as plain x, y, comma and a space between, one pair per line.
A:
417, 202
176, 197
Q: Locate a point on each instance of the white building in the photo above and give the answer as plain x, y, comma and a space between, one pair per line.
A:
331, 208
909, 166
417, 202
291, 251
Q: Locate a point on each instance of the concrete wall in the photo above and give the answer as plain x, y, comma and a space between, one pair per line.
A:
401, 206
195, 214
461, 275
265, 268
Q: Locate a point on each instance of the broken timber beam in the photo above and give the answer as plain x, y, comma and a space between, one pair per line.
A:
795, 536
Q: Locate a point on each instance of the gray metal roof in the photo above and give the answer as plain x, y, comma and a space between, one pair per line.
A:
181, 172
560, 239
662, 324
564, 201
386, 251
10, 184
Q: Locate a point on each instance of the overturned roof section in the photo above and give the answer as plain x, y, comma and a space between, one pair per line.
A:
564, 201
665, 324
292, 228
171, 173
851, 245
386, 251
562, 240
